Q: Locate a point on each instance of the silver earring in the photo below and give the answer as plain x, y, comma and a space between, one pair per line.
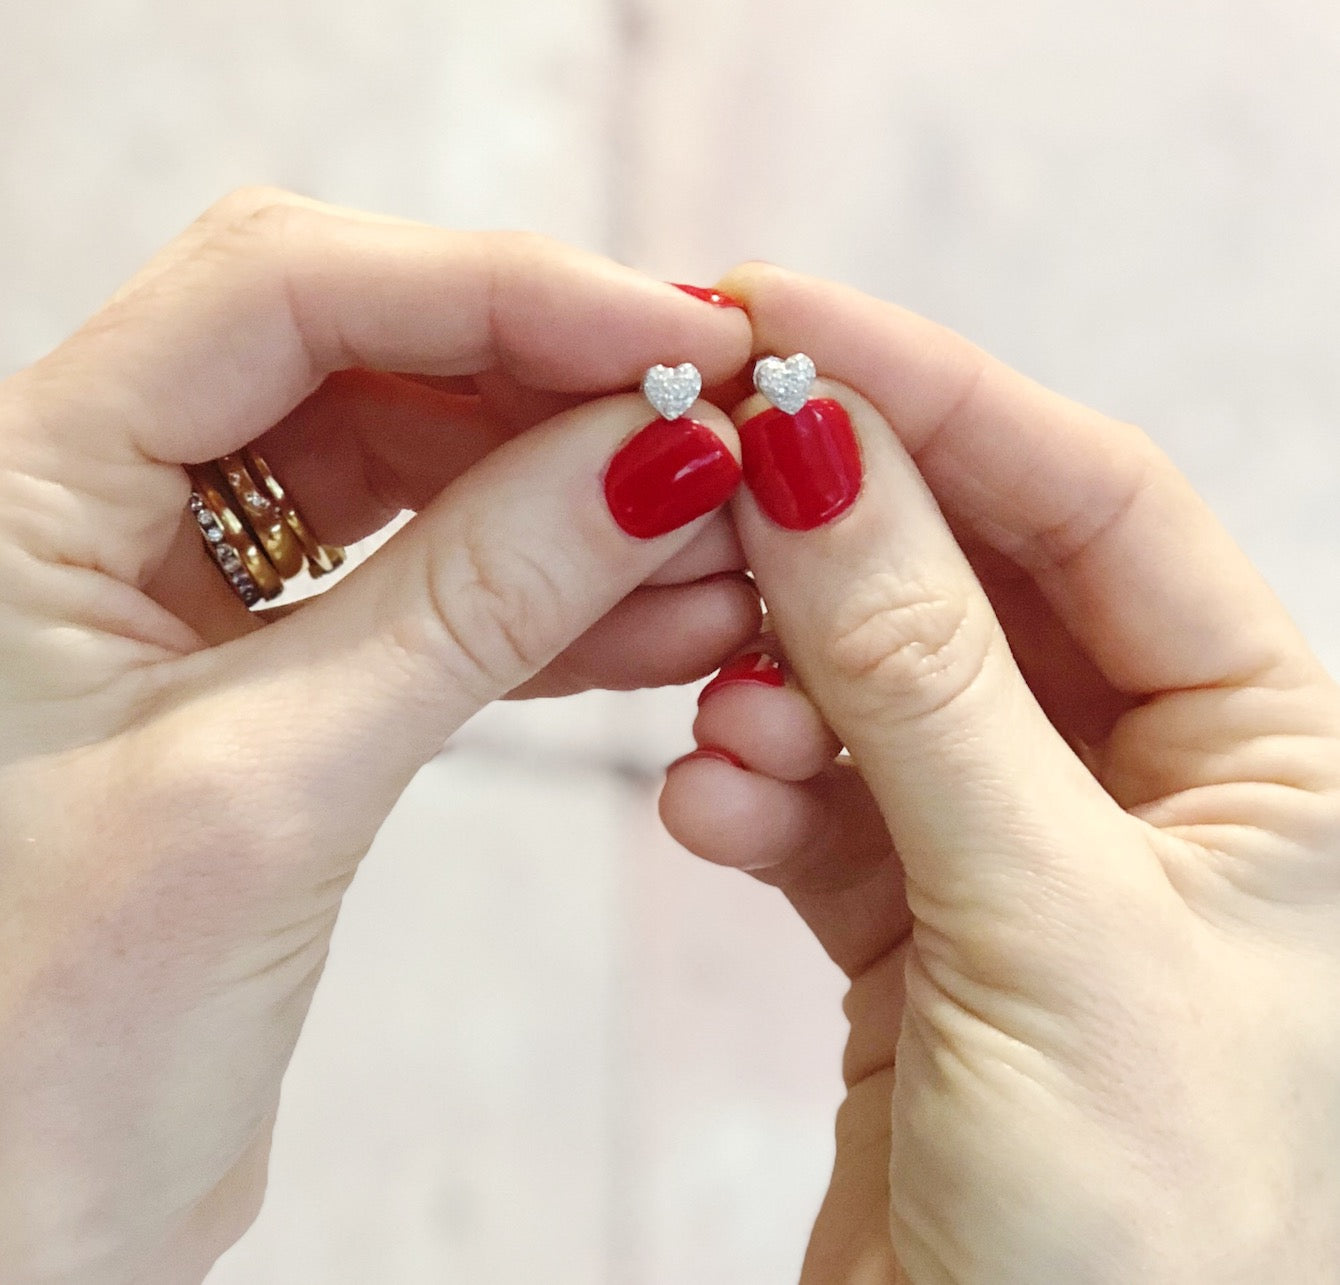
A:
786, 384
672, 391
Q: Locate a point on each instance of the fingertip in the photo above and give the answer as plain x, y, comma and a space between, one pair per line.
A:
717, 338
731, 816
707, 294
783, 303
639, 414
804, 465
703, 807
778, 731
752, 281
714, 753
621, 320
669, 473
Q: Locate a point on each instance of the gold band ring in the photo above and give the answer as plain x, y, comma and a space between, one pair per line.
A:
229, 540
321, 558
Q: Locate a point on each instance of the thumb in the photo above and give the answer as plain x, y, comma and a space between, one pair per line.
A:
895, 640
350, 695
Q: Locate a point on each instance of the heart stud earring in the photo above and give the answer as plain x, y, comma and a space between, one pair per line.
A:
801, 457
671, 391
674, 469
786, 384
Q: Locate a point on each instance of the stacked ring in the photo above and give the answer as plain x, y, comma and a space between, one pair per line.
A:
254, 533
321, 558
262, 515
230, 541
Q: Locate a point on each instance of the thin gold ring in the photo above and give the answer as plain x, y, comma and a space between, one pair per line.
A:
321, 558
263, 516
229, 540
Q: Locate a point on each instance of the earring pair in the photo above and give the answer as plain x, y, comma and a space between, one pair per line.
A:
671, 390
801, 457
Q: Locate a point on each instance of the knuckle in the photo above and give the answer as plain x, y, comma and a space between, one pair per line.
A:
907, 647
277, 241
226, 232
493, 609
243, 202
273, 222
253, 222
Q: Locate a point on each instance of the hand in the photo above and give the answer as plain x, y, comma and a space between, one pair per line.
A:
179, 820
1087, 881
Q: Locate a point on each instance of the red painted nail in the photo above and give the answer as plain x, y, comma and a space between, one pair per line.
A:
804, 469
715, 297
710, 752
756, 667
668, 474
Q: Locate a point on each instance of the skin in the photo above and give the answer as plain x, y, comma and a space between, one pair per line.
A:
185, 793
1082, 865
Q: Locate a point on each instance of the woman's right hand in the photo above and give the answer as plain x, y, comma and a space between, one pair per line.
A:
184, 795
1085, 876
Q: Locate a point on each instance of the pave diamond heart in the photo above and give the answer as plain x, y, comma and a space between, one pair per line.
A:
672, 392
786, 384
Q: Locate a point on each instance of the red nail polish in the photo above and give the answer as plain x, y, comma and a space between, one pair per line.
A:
668, 474
710, 752
756, 667
804, 469
715, 297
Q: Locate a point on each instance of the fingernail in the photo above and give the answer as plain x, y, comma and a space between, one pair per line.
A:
669, 473
756, 667
715, 297
710, 752
804, 469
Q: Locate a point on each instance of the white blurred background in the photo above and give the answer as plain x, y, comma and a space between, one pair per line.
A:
549, 1046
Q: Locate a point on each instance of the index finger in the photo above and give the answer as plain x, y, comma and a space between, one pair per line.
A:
1130, 558
219, 340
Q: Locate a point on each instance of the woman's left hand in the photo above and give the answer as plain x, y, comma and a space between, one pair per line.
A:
185, 796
